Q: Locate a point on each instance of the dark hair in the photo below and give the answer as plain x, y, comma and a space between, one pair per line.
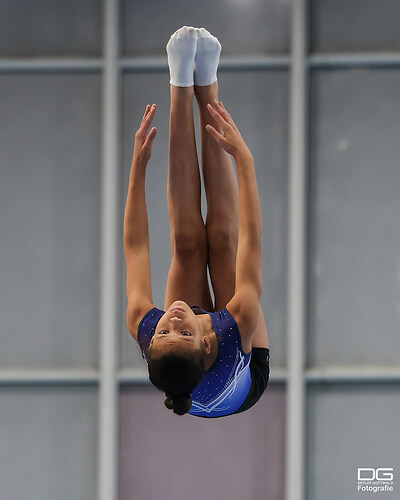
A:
177, 376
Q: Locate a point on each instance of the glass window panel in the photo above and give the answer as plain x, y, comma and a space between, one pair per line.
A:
355, 267
258, 27
50, 28
49, 219
349, 427
241, 447
257, 101
48, 442
355, 25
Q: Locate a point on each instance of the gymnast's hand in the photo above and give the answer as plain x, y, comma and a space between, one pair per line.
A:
230, 138
144, 142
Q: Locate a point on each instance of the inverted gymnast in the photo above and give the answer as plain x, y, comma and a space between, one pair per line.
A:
210, 361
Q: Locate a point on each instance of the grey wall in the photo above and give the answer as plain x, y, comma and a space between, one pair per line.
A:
50, 233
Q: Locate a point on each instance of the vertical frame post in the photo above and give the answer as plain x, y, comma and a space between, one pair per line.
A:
295, 411
109, 269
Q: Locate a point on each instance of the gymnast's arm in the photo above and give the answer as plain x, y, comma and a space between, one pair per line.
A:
136, 229
245, 304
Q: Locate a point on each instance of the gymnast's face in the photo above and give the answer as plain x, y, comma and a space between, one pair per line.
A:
178, 330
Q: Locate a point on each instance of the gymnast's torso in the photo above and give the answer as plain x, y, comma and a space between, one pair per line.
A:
226, 384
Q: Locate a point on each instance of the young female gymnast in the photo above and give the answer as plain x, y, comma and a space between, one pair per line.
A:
211, 361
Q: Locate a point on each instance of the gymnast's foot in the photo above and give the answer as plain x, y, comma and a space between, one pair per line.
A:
181, 50
207, 58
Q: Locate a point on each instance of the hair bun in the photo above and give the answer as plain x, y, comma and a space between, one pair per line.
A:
181, 404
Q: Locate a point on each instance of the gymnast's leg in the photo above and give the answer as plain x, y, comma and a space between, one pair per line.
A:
222, 203
187, 276
222, 193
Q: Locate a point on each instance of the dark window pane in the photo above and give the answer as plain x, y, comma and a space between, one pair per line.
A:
242, 28
50, 28
355, 25
49, 212
355, 267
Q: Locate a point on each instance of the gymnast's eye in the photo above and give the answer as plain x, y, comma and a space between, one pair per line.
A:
184, 333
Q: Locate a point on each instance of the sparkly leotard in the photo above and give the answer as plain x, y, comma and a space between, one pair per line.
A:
224, 387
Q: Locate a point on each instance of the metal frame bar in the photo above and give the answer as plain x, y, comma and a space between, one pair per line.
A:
42, 64
137, 376
357, 375
295, 392
109, 262
144, 64
354, 60
43, 376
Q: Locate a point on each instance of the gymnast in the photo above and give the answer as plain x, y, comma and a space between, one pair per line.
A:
209, 360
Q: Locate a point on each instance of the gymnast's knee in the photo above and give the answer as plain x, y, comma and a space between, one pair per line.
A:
189, 243
222, 239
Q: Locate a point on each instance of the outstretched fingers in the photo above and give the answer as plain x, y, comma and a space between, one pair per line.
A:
143, 138
146, 111
150, 138
215, 111
223, 119
229, 138
147, 119
224, 113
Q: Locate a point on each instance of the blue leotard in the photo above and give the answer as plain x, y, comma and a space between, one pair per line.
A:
225, 386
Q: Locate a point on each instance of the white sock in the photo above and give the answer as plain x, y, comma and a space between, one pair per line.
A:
181, 49
207, 58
